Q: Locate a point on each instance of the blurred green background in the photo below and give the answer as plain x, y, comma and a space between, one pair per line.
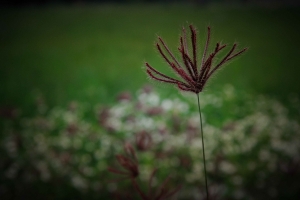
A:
89, 53
92, 52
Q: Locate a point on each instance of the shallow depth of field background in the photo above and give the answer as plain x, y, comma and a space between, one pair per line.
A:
56, 55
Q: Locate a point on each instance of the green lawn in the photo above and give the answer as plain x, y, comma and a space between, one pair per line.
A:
90, 53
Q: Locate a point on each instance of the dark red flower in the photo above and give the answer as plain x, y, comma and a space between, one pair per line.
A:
72, 128
154, 111
103, 119
124, 97
143, 140
147, 89
193, 75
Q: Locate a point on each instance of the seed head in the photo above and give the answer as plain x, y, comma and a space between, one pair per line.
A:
193, 75
128, 163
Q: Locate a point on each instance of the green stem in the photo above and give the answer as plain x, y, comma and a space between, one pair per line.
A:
203, 148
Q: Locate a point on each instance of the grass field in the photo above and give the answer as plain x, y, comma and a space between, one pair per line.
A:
90, 53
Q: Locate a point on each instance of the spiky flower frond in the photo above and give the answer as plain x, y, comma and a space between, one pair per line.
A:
192, 75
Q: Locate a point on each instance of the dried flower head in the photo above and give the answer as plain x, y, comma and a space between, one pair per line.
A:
129, 163
163, 191
193, 75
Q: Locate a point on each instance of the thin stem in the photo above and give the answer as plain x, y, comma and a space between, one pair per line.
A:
203, 148
138, 189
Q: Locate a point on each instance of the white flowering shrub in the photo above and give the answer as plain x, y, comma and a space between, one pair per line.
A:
252, 146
